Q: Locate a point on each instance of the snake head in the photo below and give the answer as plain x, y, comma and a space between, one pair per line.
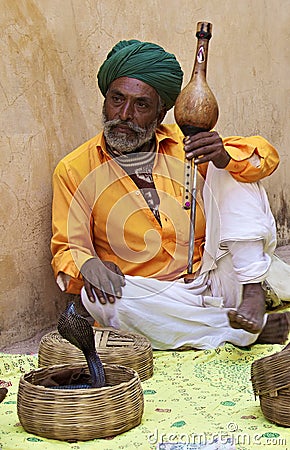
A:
76, 329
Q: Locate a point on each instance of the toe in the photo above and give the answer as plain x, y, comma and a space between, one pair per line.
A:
238, 321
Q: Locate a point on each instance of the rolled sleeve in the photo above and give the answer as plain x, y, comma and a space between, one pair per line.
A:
242, 149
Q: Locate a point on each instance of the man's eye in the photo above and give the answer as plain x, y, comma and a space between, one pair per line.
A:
142, 105
116, 99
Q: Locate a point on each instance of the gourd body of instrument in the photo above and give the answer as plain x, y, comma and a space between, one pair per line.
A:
195, 110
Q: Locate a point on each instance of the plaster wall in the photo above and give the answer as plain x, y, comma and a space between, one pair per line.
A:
50, 53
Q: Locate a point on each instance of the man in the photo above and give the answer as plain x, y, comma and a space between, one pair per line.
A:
120, 230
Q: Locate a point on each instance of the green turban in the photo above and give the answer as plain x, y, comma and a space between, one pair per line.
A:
144, 61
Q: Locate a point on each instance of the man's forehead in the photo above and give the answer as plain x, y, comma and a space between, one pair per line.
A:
133, 86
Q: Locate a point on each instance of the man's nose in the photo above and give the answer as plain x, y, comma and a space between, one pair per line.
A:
127, 111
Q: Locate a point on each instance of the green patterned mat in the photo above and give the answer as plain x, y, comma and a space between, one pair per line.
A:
193, 397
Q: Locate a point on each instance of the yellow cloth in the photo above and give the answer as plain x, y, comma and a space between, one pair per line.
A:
98, 208
192, 397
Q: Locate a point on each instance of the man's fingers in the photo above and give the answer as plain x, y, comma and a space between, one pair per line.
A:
122, 276
105, 279
89, 291
105, 289
118, 282
102, 297
201, 144
201, 139
115, 289
199, 157
115, 270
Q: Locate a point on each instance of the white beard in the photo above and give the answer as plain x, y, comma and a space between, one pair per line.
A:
120, 142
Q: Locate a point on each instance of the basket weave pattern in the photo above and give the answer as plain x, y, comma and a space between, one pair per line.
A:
113, 347
80, 414
270, 378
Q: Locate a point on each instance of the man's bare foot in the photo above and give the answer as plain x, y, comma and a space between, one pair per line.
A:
250, 314
276, 330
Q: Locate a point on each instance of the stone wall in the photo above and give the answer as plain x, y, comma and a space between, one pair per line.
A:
50, 52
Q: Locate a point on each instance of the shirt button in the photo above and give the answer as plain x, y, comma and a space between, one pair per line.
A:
137, 192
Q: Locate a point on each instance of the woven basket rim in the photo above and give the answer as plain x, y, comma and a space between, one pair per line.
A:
128, 370
139, 344
138, 336
113, 347
270, 358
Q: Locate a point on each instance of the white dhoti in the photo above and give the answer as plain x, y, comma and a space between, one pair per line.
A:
172, 314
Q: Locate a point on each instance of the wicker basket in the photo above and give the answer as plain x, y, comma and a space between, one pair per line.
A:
113, 347
270, 378
80, 414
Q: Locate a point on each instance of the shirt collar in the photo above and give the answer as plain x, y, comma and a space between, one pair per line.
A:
162, 134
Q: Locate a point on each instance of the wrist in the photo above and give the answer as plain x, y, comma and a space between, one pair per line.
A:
225, 160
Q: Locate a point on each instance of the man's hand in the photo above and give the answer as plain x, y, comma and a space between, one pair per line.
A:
104, 278
206, 146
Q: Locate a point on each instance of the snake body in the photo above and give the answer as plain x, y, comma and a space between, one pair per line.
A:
77, 330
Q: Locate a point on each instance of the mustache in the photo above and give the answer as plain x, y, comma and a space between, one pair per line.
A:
132, 126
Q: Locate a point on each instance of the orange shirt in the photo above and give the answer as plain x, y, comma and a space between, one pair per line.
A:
98, 209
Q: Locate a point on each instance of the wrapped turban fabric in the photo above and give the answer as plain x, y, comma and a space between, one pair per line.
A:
144, 61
